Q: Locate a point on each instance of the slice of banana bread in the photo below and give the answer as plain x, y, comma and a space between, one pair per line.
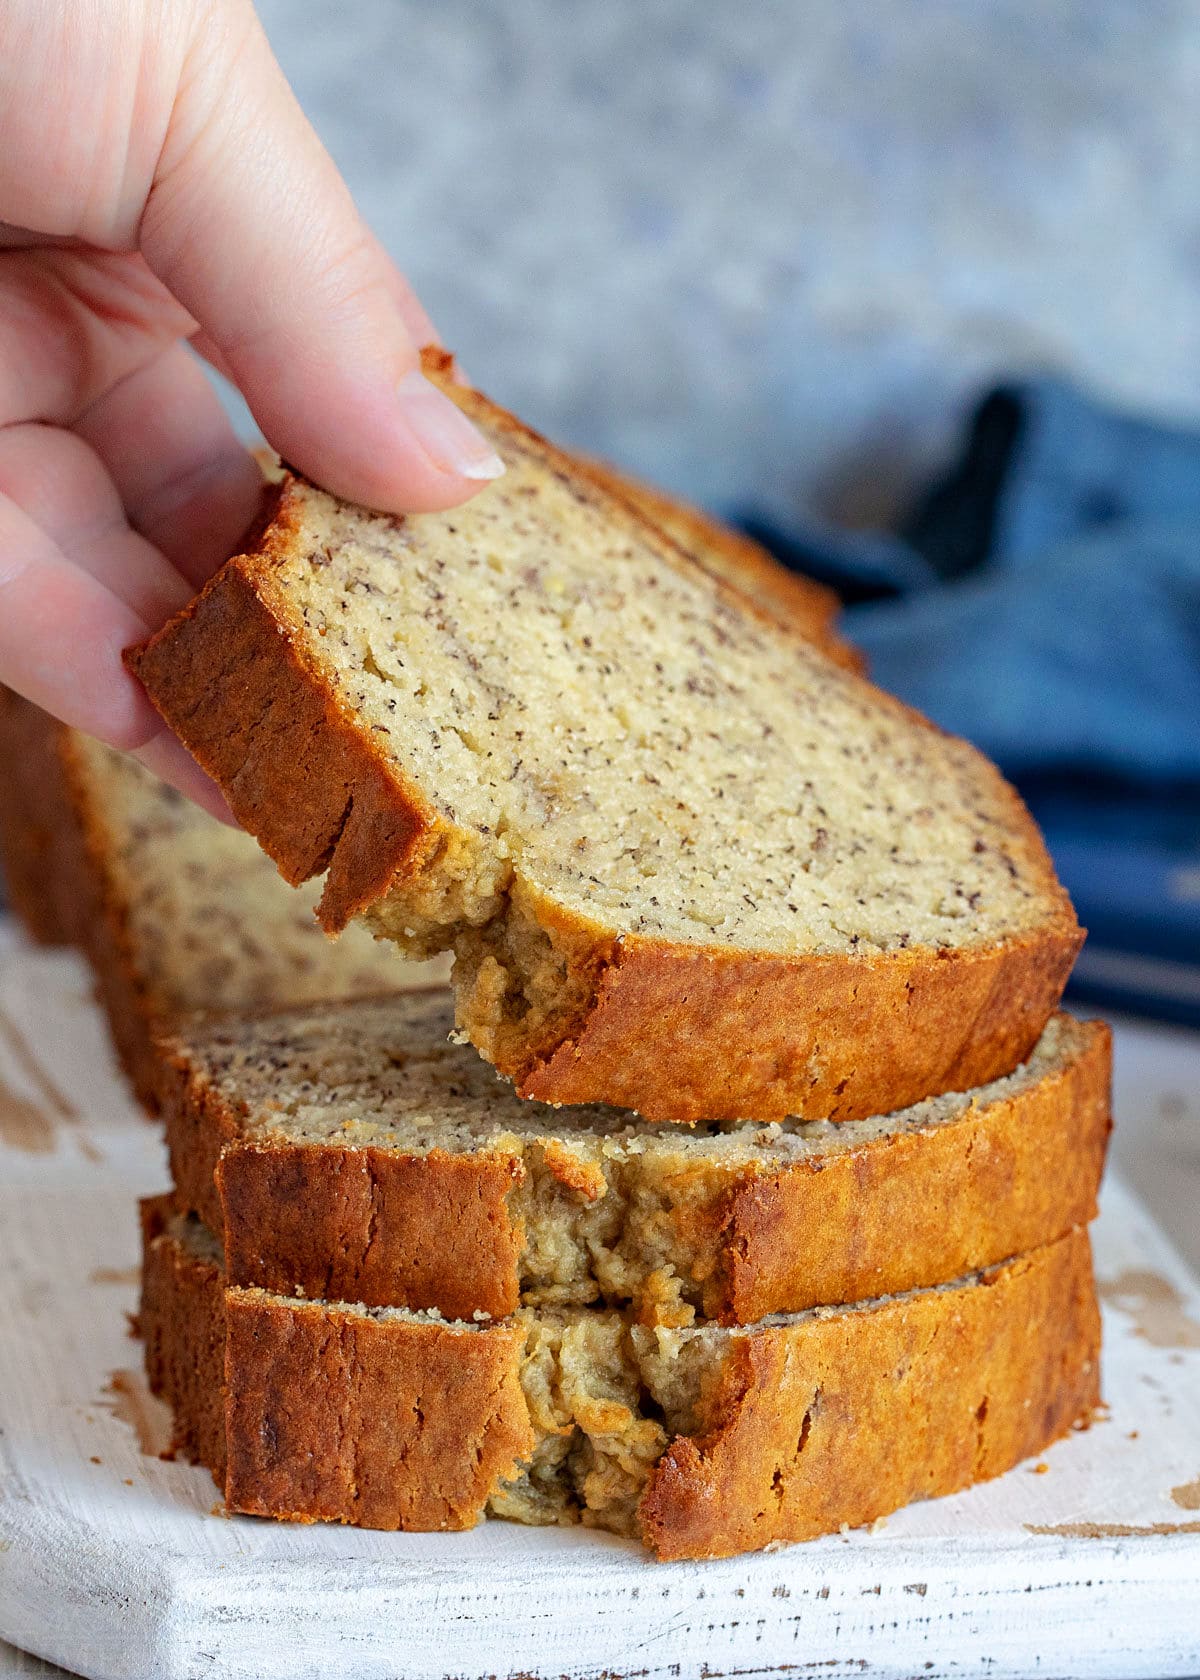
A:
701, 1441
353, 1152
687, 864
796, 601
176, 912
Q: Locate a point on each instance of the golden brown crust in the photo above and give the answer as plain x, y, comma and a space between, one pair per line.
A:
199, 1128
750, 1035
810, 1424
819, 1038
181, 1321
38, 848
900, 1211
863, 1413
415, 1424
318, 1414
920, 1207
371, 1225
64, 890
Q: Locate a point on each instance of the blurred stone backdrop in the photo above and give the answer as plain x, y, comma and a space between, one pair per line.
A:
765, 251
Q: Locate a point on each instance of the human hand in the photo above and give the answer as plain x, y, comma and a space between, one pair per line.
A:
159, 185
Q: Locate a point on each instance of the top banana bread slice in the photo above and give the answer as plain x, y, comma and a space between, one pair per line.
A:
687, 864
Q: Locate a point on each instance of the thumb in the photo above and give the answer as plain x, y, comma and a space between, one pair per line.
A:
250, 226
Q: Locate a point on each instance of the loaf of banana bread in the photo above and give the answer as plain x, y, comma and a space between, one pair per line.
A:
176, 912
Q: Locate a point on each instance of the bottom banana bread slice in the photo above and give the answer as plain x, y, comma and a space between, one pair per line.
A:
701, 1441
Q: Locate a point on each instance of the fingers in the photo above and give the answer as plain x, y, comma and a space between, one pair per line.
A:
73, 324
187, 484
250, 226
62, 632
92, 340
63, 628
61, 486
77, 586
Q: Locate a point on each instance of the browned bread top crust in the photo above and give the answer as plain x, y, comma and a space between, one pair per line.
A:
687, 864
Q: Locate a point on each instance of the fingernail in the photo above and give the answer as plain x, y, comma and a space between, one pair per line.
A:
444, 432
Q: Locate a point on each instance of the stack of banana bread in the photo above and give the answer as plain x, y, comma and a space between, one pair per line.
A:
738, 1189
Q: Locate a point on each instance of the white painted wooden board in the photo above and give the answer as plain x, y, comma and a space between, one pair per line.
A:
113, 1563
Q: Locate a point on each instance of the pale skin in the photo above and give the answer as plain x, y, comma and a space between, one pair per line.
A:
162, 195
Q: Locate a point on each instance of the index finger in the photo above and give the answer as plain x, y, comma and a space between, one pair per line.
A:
252, 228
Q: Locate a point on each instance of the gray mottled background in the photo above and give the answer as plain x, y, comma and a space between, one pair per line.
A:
764, 250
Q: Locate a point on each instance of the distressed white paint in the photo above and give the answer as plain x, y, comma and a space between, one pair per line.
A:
120, 1568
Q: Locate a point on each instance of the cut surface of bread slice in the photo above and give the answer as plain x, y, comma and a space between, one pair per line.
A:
353, 1152
701, 1442
177, 912
687, 865
796, 601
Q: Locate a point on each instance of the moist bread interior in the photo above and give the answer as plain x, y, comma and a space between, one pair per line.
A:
606, 1395
600, 721
597, 1187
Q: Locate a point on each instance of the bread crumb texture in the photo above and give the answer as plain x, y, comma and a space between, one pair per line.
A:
700, 1441
356, 1151
605, 724
797, 602
534, 731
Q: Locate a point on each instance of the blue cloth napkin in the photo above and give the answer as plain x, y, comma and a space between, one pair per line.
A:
1043, 599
